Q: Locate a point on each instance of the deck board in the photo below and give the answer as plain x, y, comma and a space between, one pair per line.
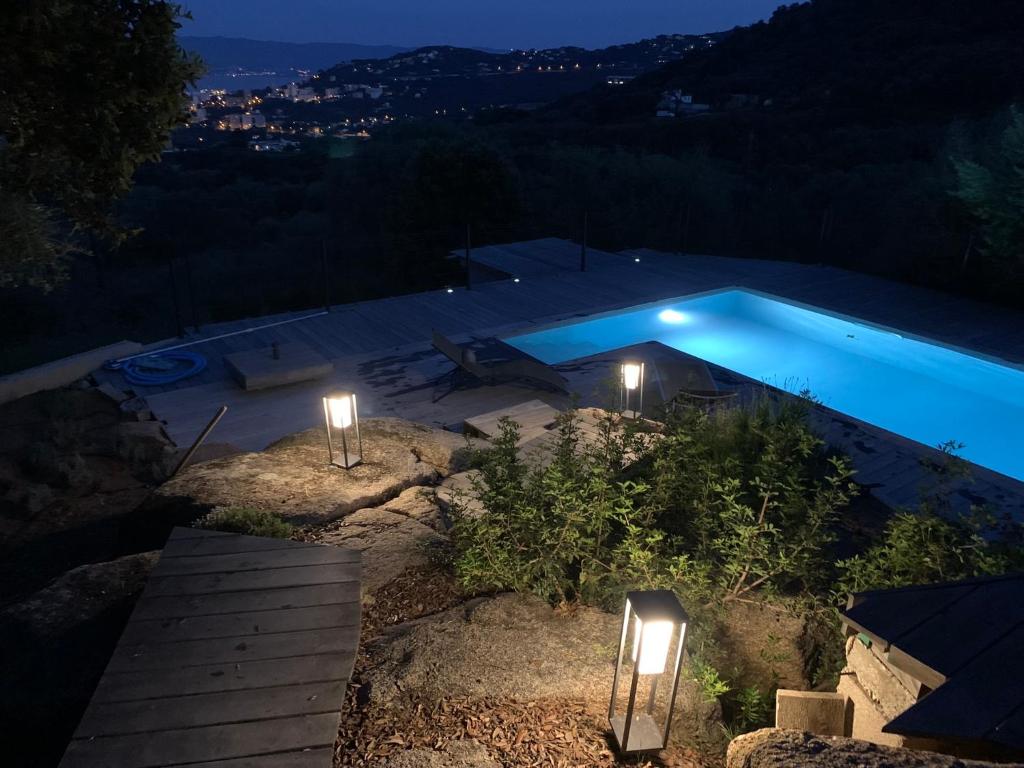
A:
238, 653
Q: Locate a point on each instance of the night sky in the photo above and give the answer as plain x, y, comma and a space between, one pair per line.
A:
484, 23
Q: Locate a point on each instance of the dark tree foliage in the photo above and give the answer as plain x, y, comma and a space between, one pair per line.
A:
88, 92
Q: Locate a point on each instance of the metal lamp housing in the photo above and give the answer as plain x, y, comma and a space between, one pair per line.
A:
631, 389
341, 417
654, 624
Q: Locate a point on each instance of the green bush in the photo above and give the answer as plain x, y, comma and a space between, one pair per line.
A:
547, 529
722, 505
926, 548
252, 522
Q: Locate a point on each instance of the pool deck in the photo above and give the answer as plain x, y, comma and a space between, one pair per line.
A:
382, 350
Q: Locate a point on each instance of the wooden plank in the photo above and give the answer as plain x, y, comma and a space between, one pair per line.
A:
245, 601
121, 718
135, 686
192, 547
190, 745
307, 758
237, 624
530, 415
233, 650
292, 557
160, 586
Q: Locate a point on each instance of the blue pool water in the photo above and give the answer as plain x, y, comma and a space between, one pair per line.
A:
920, 390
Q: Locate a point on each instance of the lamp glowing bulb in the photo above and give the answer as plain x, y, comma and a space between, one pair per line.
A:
650, 655
671, 316
449, 290
631, 375
340, 409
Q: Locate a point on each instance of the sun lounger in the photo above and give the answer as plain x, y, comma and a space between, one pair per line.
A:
517, 369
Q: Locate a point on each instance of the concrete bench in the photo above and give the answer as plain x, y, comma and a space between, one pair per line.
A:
261, 369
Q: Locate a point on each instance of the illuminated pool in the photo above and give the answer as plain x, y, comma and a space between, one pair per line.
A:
918, 389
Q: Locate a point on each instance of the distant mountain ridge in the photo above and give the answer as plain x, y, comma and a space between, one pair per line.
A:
225, 57
448, 60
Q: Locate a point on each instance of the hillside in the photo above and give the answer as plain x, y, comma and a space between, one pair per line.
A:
452, 80
864, 60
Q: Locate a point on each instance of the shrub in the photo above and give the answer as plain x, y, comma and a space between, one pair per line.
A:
721, 505
925, 548
749, 495
547, 529
252, 522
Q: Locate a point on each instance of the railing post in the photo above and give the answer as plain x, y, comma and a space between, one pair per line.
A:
469, 278
583, 245
326, 277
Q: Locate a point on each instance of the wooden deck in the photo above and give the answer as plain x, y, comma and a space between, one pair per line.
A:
382, 348
237, 654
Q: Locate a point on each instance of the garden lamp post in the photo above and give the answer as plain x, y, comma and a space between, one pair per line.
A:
342, 420
631, 391
656, 619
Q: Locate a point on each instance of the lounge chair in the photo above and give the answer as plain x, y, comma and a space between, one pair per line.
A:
681, 377
495, 372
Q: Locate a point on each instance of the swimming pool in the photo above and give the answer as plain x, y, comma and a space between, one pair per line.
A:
918, 389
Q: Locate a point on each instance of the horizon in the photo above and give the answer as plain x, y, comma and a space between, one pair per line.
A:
458, 23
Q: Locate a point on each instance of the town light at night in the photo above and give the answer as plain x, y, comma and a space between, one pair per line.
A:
342, 422
658, 623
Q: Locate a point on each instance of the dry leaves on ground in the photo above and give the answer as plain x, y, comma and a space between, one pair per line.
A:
417, 592
557, 733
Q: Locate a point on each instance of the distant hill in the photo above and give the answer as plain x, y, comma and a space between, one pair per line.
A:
447, 80
243, 63
868, 59
446, 60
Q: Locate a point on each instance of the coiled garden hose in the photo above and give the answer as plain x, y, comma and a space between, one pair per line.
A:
159, 368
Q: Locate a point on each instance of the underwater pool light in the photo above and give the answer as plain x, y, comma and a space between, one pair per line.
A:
672, 316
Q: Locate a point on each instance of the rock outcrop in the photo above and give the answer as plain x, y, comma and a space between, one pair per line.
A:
776, 748
293, 479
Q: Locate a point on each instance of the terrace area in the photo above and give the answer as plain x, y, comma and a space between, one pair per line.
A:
382, 349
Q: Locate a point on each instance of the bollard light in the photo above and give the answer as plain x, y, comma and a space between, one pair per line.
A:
632, 389
658, 622
342, 420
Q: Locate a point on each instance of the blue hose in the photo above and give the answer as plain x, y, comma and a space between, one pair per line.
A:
159, 368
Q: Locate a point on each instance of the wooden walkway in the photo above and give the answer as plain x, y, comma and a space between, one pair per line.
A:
237, 654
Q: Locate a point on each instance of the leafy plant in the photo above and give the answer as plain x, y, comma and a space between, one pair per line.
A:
753, 709
925, 548
550, 529
252, 522
719, 506
750, 495
711, 684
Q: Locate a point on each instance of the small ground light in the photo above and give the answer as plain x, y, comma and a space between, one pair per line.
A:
449, 290
631, 392
342, 420
515, 279
656, 619
636, 259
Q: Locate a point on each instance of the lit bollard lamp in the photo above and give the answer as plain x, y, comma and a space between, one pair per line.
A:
631, 392
342, 421
656, 619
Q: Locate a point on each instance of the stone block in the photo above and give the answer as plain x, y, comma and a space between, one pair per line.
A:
820, 713
866, 718
262, 369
